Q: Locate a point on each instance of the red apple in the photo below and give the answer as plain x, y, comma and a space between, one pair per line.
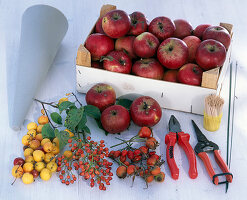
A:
99, 45
193, 43
41, 149
145, 111
171, 75
115, 119
101, 95
96, 64
117, 61
116, 23
138, 23
35, 173
210, 54
145, 45
98, 26
183, 28
148, 68
19, 161
162, 27
190, 74
173, 53
198, 32
218, 33
126, 44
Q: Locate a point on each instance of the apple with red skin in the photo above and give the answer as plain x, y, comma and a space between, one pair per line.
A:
162, 27
193, 43
183, 28
198, 31
210, 54
138, 23
145, 111
98, 65
101, 95
98, 26
117, 61
41, 149
145, 45
126, 44
116, 23
19, 161
218, 33
190, 74
173, 53
171, 75
115, 119
99, 45
35, 173
148, 68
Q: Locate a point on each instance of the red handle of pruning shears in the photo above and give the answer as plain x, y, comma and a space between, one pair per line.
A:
170, 140
209, 167
222, 165
183, 141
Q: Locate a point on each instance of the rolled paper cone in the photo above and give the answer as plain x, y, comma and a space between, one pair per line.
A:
42, 30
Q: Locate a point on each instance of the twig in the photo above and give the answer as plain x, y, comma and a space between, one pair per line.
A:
42, 103
76, 99
50, 104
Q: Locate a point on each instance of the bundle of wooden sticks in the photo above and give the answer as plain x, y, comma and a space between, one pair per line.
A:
213, 105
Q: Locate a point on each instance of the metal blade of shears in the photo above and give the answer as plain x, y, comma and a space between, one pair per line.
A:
200, 136
174, 125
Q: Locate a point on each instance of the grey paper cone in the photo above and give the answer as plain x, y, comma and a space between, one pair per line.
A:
43, 28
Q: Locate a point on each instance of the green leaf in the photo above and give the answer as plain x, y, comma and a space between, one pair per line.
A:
124, 102
63, 137
100, 126
86, 129
92, 111
47, 132
65, 105
56, 118
73, 118
83, 122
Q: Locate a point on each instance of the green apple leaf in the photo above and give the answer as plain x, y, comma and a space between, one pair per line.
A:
73, 118
92, 111
63, 137
124, 102
56, 118
65, 105
47, 131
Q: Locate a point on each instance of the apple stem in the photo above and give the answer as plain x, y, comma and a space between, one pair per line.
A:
195, 70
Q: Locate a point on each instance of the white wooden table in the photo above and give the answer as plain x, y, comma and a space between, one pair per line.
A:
81, 15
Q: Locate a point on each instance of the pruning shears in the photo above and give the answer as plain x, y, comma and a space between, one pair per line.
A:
203, 146
177, 135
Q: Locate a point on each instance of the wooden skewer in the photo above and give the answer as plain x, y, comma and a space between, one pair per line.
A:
213, 105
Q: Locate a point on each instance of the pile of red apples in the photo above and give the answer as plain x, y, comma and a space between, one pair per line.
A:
162, 49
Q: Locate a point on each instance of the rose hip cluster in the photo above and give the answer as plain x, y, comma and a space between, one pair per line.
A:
88, 159
143, 162
163, 49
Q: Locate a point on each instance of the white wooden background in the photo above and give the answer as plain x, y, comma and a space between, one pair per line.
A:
81, 15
